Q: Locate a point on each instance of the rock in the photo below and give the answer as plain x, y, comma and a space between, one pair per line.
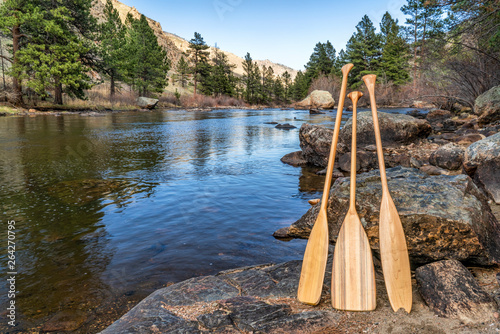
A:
417, 113
432, 170
444, 217
315, 112
318, 99
65, 321
395, 129
449, 156
32, 110
469, 138
295, 159
482, 162
365, 161
285, 126
451, 291
252, 309
146, 102
487, 106
315, 142
273, 123
437, 117
415, 163
421, 104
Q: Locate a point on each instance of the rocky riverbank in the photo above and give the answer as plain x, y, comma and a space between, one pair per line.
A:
443, 175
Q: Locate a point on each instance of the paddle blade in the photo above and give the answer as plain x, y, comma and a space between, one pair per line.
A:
394, 256
314, 263
353, 274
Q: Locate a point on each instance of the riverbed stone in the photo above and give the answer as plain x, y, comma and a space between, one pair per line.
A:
451, 291
437, 118
444, 217
395, 130
449, 156
482, 162
295, 159
317, 99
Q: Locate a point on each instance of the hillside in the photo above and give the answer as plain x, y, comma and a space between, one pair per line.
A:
176, 45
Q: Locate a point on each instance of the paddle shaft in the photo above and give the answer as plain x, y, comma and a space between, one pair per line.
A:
333, 148
354, 96
370, 84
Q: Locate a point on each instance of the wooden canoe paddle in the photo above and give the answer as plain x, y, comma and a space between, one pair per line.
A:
316, 253
393, 249
353, 274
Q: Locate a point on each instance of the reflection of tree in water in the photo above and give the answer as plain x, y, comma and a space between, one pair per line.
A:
57, 202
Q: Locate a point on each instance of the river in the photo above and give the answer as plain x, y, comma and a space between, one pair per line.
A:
107, 209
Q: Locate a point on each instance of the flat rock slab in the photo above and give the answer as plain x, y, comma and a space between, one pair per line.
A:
241, 300
451, 291
444, 217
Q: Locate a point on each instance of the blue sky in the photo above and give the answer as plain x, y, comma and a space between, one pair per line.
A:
283, 31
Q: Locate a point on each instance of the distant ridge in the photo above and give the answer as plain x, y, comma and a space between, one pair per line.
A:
176, 45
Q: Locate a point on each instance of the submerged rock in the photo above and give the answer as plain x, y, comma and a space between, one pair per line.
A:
285, 126
444, 217
451, 291
295, 159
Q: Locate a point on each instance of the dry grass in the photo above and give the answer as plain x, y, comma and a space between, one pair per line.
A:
200, 101
98, 96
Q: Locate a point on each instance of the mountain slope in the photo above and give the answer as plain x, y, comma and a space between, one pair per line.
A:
176, 45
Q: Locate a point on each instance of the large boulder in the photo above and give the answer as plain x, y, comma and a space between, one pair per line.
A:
315, 142
482, 162
487, 106
449, 156
444, 217
318, 99
146, 102
395, 129
451, 291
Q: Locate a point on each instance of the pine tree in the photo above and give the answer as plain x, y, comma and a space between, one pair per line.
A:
251, 80
52, 46
423, 22
321, 61
287, 83
222, 81
278, 90
300, 87
199, 57
394, 62
149, 63
112, 37
183, 70
267, 84
363, 50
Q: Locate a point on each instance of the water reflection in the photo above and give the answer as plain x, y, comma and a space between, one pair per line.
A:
110, 208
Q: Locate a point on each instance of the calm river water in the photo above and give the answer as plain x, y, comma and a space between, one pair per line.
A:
108, 209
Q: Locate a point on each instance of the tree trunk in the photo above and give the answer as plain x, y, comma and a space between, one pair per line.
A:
112, 89
3, 68
58, 92
17, 99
